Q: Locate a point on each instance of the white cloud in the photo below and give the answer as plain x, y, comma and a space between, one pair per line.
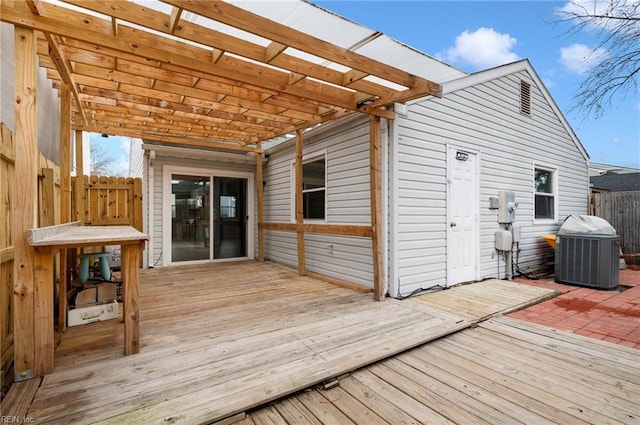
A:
483, 48
125, 144
120, 166
579, 58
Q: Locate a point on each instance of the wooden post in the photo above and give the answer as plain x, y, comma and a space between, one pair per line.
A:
43, 312
78, 190
65, 196
130, 256
46, 210
376, 208
302, 267
260, 192
25, 214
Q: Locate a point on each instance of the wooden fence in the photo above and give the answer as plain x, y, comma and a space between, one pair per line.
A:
107, 201
48, 214
622, 211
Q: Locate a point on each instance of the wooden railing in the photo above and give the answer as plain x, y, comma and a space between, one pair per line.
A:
107, 201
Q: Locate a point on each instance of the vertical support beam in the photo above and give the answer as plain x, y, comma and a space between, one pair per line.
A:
376, 208
260, 192
130, 258
65, 196
46, 209
43, 317
25, 212
302, 267
78, 190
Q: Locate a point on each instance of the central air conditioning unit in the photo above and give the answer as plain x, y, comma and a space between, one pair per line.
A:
588, 260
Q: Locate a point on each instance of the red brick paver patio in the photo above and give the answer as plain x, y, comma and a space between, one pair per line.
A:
612, 316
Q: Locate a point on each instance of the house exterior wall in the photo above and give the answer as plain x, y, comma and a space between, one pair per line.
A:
484, 118
136, 157
346, 149
48, 103
161, 166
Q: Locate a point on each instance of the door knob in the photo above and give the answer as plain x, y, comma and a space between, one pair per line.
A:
452, 224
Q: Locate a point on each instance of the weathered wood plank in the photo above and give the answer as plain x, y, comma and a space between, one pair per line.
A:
24, 209
375, 183
260, 200
219, 353
43, 312
484, 299
299, 206
130, 256
19, 398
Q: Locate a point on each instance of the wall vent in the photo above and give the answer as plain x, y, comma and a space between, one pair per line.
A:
525, 97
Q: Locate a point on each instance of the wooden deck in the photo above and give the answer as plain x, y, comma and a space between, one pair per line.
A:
219, 339
503, 371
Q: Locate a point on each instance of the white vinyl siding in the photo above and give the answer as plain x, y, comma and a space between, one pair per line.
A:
346, 149
136, 157
484, 118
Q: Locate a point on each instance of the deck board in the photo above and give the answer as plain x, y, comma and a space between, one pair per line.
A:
502, 371
485, 299
220, 339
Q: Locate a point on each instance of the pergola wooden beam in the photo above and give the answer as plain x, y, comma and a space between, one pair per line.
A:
239, 18
141, 60
57, 57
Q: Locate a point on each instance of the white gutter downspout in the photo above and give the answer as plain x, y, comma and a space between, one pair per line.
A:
150, 209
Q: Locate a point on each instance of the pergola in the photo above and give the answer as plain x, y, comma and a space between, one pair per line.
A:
199, 73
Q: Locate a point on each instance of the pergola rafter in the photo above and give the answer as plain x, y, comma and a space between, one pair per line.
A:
135, 70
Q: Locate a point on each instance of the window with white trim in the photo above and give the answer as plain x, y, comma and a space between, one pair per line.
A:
314, 183
544, 193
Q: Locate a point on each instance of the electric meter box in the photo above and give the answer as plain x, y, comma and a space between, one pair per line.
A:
504, 240
506, 207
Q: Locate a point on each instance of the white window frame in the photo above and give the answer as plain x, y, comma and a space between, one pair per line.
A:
554, 187
167, 171
311, 157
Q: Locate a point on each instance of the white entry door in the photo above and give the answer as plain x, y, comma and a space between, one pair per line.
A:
463, 210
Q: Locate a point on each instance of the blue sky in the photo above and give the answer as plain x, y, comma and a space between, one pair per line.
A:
475, 35
117, 148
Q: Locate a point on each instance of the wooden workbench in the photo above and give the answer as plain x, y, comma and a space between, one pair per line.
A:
47, 241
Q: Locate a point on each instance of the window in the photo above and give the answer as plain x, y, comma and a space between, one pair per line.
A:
525, 97
228, 207
314, 189
544, 182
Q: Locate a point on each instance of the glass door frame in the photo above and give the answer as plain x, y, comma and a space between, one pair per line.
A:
167, 172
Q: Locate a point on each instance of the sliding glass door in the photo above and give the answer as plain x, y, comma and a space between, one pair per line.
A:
190, 214
230, 217
194, 236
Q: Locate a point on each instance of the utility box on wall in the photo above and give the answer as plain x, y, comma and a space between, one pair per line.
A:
507, 207
588, 260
